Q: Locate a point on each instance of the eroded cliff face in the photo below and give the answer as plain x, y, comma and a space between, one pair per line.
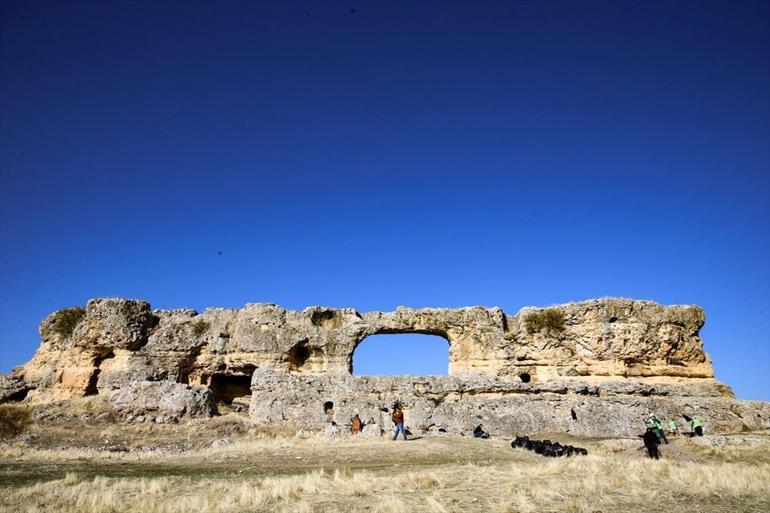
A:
259, 352
118, 341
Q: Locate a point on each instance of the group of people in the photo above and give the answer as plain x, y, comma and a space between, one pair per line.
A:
655, 434
357, 425
398, 424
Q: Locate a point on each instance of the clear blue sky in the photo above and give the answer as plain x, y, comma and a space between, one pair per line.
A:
372, 155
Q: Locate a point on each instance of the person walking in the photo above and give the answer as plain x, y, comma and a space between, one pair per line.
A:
398, 420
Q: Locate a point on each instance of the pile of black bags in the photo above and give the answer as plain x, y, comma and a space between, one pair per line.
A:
547, 448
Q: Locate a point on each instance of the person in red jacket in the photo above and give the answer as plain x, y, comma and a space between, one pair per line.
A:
398, 420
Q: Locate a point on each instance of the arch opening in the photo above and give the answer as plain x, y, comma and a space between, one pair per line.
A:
298, 356
231, 389
401, 354
227, 387
302, 358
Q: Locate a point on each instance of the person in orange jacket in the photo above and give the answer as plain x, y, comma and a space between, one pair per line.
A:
398, 420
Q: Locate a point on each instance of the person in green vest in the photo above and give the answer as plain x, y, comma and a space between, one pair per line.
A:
697, 426
654, 424
673, 430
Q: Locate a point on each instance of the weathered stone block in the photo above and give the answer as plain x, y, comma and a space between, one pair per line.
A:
163, 399
114, 323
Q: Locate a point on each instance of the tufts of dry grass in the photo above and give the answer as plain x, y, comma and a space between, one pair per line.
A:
272, 431
14, 420
550, 320
421, 481
311, 474
64, 321
390, 504
596, 483
609, 483
175, 495
199, 327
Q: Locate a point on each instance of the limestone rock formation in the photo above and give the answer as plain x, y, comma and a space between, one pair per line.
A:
163, 399
12, 388
371, 430
609, 360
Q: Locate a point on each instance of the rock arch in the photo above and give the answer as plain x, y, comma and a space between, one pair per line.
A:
422, 338
468, 331
546, 362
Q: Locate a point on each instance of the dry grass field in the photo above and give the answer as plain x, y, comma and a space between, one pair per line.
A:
267, 469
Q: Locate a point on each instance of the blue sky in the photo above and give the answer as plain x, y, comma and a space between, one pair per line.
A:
372, 155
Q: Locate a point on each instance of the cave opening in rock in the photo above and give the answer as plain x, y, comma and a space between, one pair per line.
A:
225, 388
93, 382
326, 319
297, 356
17, 396
403, 354
525, 377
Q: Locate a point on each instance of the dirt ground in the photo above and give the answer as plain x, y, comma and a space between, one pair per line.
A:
229, 465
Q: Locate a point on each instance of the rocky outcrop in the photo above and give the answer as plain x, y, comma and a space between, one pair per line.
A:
163, 400
12, 388
118, 341
615, 357
371, 430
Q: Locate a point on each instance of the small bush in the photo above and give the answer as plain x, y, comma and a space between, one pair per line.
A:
511, 336
14, 419
199, 327
64, 321
549, 320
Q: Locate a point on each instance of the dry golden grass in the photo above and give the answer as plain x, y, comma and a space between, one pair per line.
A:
275, 469
580, 485
14, 419
428, 475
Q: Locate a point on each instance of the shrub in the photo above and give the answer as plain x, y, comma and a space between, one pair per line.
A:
549, 320
199, 327
511, 336
64, 321
14, 419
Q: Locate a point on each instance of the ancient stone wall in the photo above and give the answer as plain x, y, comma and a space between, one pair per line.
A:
455, 405
608, 358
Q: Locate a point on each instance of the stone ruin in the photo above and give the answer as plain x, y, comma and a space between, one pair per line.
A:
594, 368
